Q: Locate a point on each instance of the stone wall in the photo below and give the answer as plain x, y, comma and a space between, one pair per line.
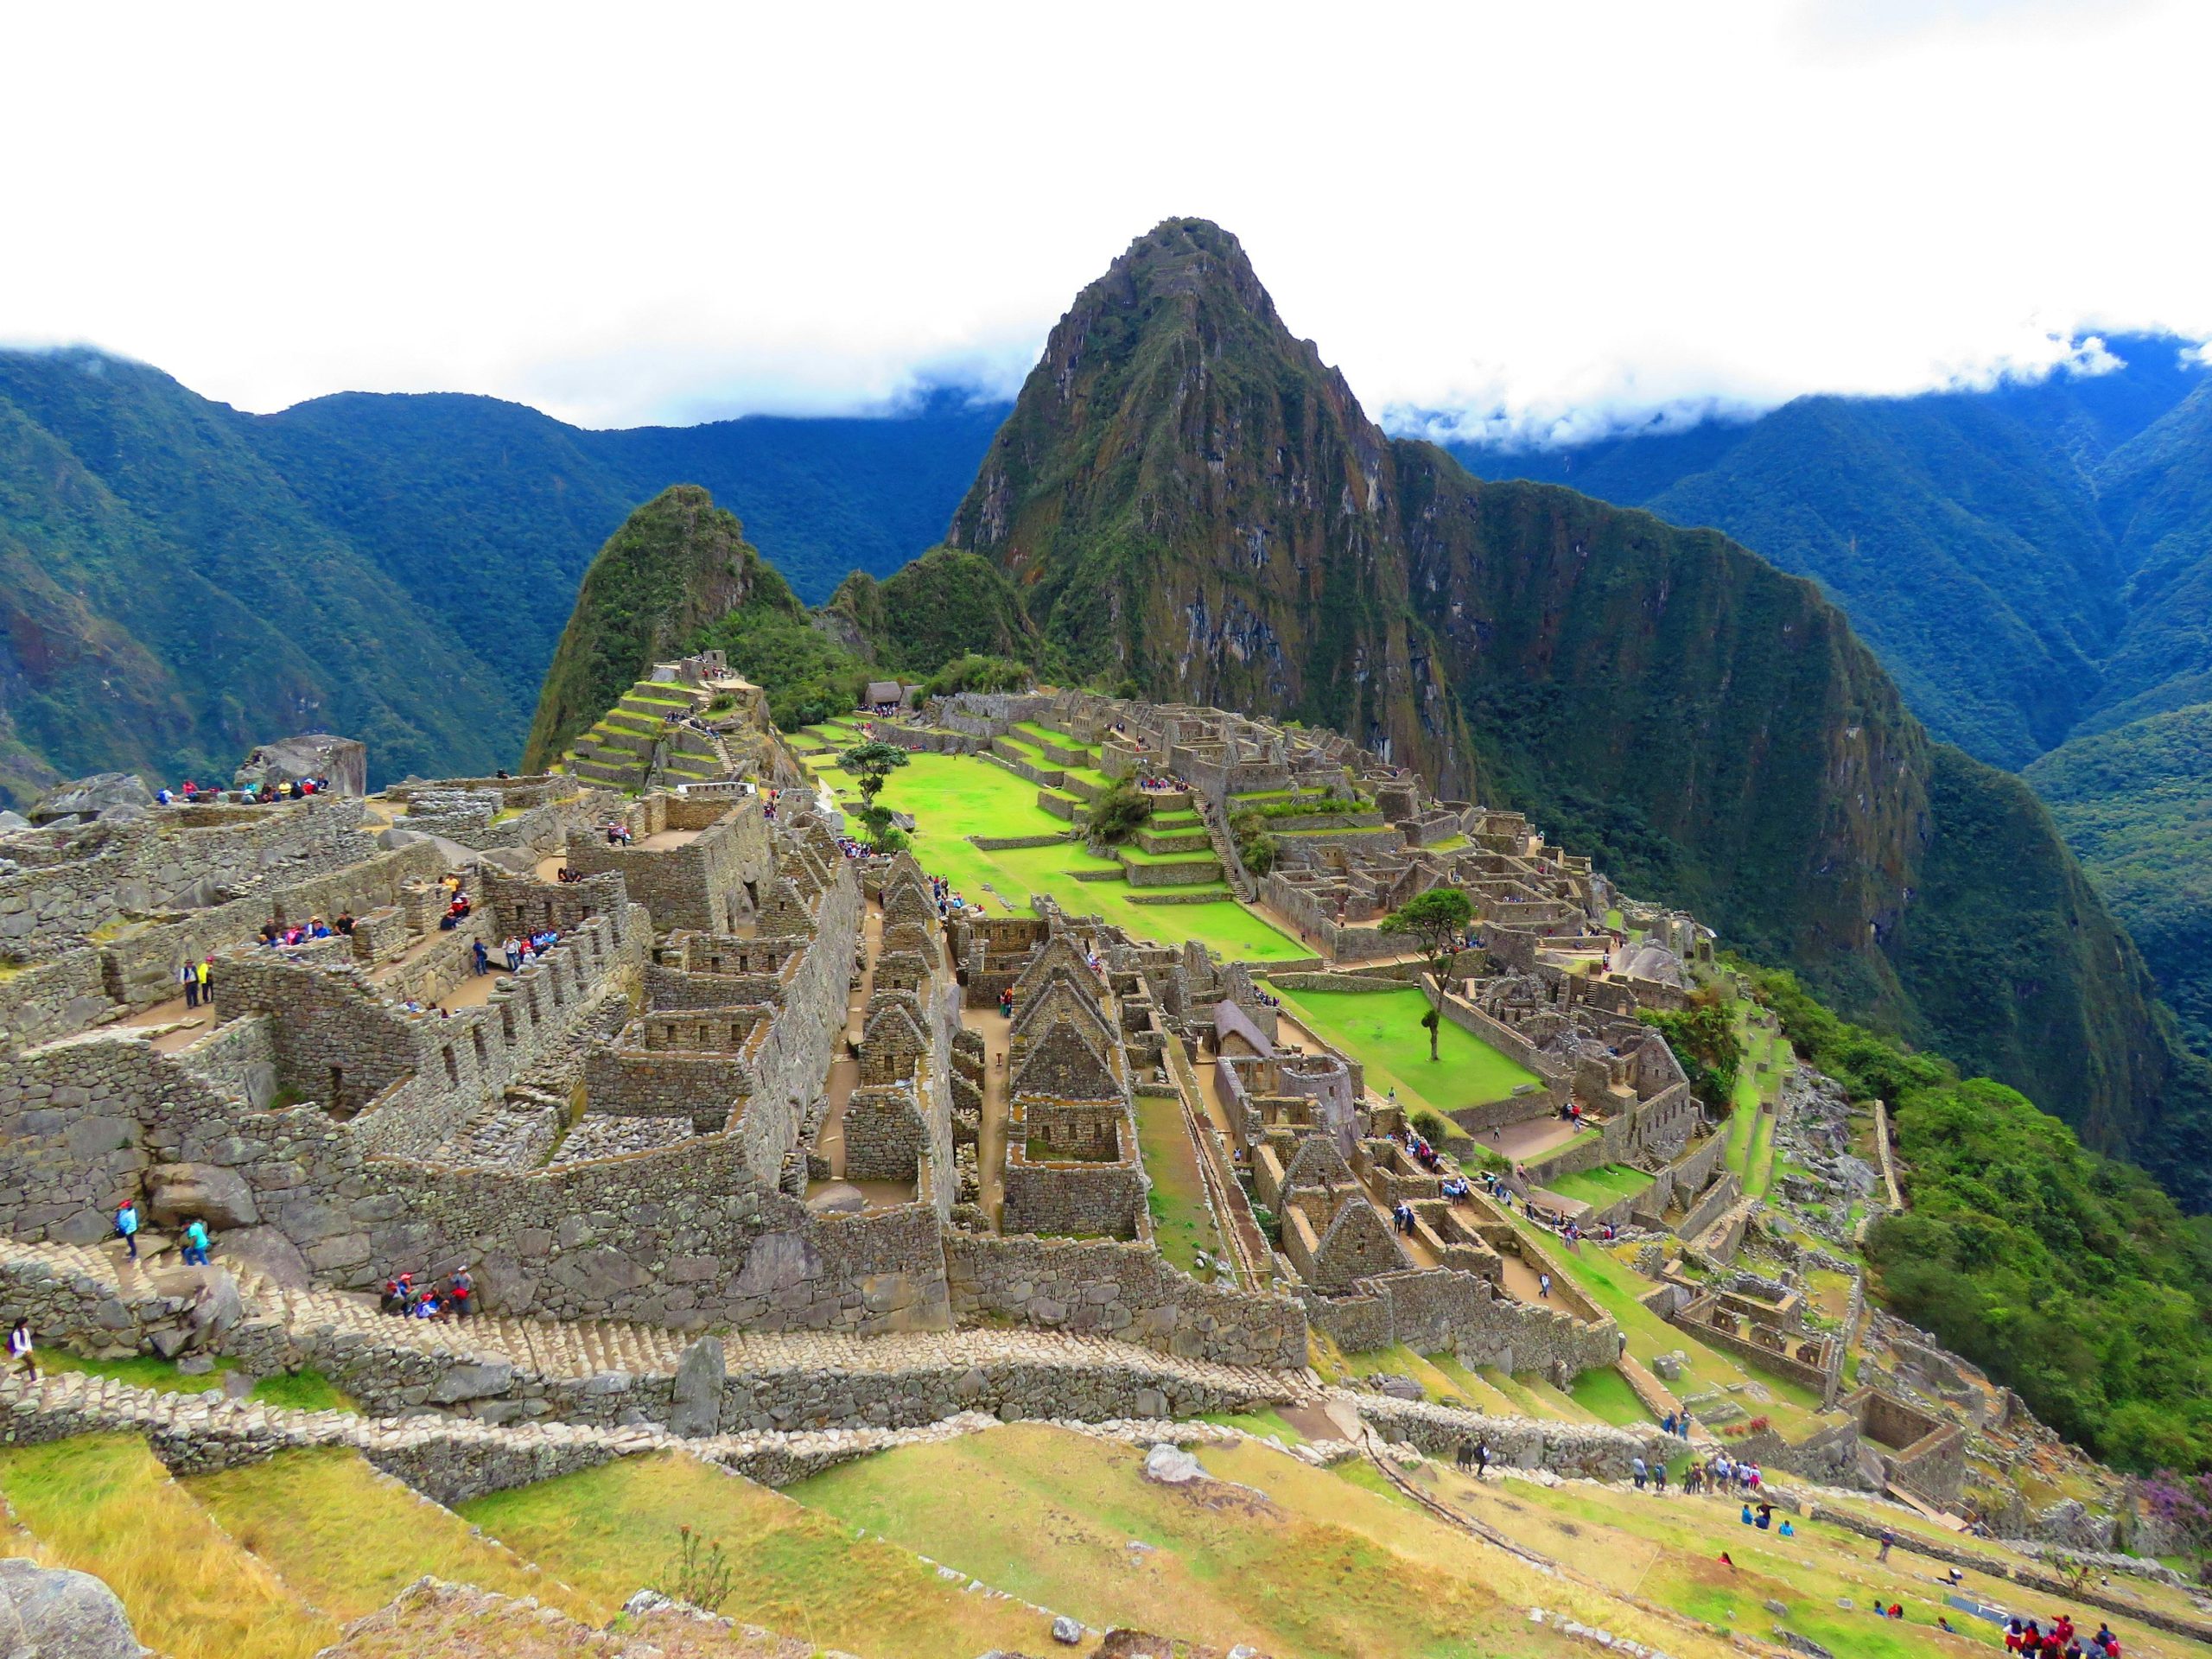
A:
168, 860
685, 1237
704, 884
1120, 1290
1569, 1449
1434, 1309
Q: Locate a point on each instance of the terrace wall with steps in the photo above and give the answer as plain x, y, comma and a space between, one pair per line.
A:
498, 1369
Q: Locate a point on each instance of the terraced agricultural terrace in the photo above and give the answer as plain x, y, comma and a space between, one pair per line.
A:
881, 1216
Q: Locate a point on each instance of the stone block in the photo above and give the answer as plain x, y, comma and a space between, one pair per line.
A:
176, 1193
696, 1403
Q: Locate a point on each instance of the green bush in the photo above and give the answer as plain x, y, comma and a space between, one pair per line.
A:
1118, 814
974, 672
1431, 1127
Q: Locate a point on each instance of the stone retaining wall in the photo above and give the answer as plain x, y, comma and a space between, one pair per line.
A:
1123, 1290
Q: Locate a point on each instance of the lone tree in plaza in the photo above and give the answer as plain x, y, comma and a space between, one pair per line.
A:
869, 764
1434, 921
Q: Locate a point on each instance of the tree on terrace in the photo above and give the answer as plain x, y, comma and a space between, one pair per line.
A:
869, 764
1434, 921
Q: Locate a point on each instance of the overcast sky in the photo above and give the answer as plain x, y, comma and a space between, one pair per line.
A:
1558, 210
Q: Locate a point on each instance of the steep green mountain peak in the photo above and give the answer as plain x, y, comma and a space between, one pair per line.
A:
678, 563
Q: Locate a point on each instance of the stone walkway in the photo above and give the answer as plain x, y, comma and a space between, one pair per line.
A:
568, 1350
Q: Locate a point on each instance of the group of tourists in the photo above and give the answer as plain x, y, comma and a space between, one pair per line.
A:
197, 979
189, 793
278, 935
1474, 1458
517, 949
2060, 1640
1420, 1151
618, 835
405, 1299
1161, 784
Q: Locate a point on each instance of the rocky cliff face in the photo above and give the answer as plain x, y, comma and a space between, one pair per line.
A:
677, 564
1191, 501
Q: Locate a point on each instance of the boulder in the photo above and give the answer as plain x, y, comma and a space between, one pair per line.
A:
88, 798
696, 1408
1068, 1632
177, 1193
344, 760
837, 1198
54, 1613
269, 1253
1171, 1466
11, 821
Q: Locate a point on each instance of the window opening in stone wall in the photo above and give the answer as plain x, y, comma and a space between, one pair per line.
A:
452, 1066
338, 1091
483, 1053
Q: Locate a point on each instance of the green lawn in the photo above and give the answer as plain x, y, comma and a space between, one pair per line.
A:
1382, 1031
1605, 1394
1606, 1184
952, 796
1182, 1225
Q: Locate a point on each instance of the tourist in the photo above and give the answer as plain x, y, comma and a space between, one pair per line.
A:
1787, 1531
208, 981
195, 1243
345, 923
126, 1226
317, 929
1659, 1478
1765, 1523
513, 950
427, 1307
1746, 1516
188, 976
1482, 1459
1637, 1471
1465, 1455
1544, 1285
460, 1289
19, 1348
481, 957
1888, 1538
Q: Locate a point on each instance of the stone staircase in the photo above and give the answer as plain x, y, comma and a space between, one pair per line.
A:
572, 1351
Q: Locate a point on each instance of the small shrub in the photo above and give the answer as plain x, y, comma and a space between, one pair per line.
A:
700, 1574
1431, 1127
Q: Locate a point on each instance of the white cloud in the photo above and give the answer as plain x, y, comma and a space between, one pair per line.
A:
1530, 214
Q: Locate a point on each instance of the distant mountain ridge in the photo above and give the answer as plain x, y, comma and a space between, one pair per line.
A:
2032, 562
177, 578
1192, 504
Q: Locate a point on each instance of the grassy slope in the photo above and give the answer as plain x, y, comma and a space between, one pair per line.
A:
104, 1505
1292, 1560
1382, 1030
610, 1530
349, 1539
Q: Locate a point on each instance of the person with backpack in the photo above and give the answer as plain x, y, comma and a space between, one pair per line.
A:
463, 1292
126, 1226
19, 1348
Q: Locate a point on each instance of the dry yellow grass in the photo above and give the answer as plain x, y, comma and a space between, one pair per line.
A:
347, 1538
105, 1505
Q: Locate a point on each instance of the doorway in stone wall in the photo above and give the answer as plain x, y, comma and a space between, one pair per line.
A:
337, 1091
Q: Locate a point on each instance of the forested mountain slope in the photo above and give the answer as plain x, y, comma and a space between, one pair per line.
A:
2033, 565
179, 580
1190, 500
